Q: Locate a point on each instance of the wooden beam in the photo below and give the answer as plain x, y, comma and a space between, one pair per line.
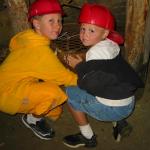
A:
137, 11
17, 14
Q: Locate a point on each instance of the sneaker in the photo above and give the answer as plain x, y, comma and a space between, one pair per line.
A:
40, 129
78, 140
121, 130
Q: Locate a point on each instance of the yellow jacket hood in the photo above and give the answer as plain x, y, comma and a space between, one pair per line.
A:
27, 39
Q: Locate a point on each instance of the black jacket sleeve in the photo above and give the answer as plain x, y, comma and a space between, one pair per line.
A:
112, 79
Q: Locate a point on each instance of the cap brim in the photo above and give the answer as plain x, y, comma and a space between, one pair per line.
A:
116, 37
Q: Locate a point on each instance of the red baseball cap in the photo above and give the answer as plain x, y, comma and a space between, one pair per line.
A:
100, 15
41, 7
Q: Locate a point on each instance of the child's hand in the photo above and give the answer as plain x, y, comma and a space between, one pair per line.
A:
73, 60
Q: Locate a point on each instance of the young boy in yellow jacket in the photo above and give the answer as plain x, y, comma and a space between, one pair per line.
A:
31, 75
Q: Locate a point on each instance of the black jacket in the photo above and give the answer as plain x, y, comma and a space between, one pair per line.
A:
111, 79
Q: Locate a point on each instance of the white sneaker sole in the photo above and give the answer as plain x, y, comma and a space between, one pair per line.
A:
76, 146
34, 131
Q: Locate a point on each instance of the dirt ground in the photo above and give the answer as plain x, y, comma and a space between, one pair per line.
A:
15, 136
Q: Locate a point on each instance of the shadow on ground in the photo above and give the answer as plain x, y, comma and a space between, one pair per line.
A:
15, 136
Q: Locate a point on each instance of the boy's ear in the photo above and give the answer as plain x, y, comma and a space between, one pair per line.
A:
36, 24
106, 33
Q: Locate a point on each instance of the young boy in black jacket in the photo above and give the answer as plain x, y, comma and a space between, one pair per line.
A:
106, 83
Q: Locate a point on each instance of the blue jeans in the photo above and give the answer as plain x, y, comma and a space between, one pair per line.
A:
80, 100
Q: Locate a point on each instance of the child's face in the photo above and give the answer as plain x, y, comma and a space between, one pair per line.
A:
92, 34
49, 25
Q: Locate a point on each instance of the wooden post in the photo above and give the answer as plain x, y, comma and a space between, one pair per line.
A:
135, 32
18, 15
147, 39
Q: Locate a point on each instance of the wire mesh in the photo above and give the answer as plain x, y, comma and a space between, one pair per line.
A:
68, 43
69, 40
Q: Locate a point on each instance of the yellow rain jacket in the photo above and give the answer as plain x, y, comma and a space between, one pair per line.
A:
31, 76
